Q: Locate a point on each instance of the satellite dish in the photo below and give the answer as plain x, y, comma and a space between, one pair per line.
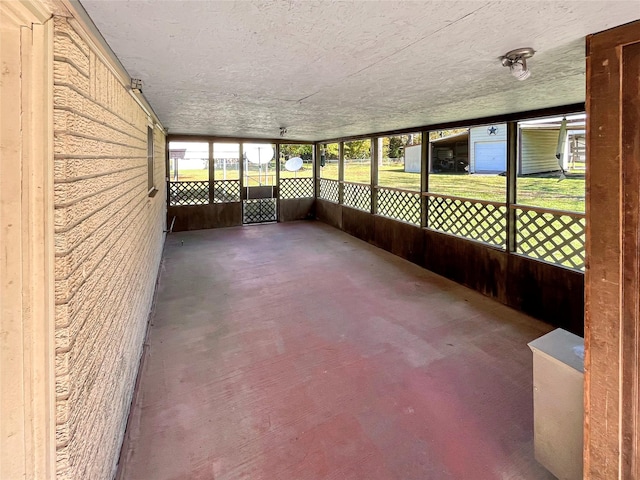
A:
259, 154
293, 164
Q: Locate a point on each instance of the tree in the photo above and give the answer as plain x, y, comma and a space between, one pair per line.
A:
331, 151
357, 149
396, 146
287, 151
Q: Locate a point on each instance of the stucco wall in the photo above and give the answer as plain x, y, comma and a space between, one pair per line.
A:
108, 244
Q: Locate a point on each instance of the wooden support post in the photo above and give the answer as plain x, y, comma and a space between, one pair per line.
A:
212, 175
341, 173
375, 152
275, 189
167, 167
316, 152
512, 170
612, 278
243, 191
425, 162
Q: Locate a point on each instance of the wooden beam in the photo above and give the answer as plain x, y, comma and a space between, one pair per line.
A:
341, 173
375, 153
630, 260
512, 167
425, 166
212, 174
612, 276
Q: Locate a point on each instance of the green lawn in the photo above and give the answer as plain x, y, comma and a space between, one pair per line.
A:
546, 192
255, 176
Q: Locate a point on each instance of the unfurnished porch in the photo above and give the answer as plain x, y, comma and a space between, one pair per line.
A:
296, 351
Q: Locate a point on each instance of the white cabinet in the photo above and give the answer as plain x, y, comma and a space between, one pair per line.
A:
558, 411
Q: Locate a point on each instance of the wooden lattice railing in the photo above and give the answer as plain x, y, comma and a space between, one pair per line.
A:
404, 205
296, 188
329, 190
188, 193
479, 220
226, 191
554, 236
357, 195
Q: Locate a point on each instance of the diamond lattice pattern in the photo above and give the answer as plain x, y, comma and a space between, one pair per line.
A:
296, 188
475, 219
188, 193
400, 205
226, 191
329, 190
357, 196
553, 237
259, 210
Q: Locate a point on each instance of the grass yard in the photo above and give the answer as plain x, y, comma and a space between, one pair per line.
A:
255, 177
545, 192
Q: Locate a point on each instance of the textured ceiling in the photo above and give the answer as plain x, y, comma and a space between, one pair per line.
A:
327, 69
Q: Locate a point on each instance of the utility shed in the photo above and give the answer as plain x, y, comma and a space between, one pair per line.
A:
412, 155
488, 149
450, 153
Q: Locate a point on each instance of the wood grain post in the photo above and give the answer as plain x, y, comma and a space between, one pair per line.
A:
212, 174
275, 190
425, 162
512, 170
243, 191
612, 280
341, 173
317, 152
375, 152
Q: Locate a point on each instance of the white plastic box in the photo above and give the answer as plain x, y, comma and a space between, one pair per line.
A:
558, 410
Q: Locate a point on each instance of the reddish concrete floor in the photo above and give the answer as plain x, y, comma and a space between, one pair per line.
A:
296, 352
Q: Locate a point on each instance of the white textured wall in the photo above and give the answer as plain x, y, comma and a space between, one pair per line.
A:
108, 243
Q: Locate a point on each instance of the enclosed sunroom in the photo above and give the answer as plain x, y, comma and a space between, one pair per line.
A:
313, 240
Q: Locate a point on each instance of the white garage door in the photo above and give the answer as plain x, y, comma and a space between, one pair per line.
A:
490, 157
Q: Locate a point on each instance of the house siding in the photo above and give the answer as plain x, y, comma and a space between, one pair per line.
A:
538, 151
108, 243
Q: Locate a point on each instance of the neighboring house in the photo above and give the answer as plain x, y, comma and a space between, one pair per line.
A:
538, 150
484, 150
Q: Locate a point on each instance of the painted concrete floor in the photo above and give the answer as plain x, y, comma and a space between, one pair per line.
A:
296, 352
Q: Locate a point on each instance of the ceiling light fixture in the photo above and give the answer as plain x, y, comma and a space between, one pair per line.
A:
516, 60
283, 131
